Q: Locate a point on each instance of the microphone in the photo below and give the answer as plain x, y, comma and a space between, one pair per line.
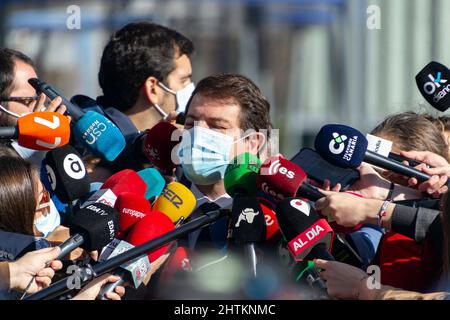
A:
240, 180
177, 262
94, 131
134, 272
131, 208
176, 201
91, 228
123, 181
280, 178
148, 228
40, 86
158, 146
87, 273
347, 147
240, 175
434, 86
273, 233
126, 181
248, 227
66, 172
154, 180
384, 147
99, 135
105, 196
39, 131
308, 237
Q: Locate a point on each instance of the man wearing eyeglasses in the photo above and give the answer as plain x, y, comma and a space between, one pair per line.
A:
17, 96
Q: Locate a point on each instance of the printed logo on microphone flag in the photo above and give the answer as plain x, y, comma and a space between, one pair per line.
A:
248, 215
301, 206
304, 241
337, 140
435, 83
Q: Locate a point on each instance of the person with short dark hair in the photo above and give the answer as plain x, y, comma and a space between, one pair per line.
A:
17, 96
227, 115
145, 72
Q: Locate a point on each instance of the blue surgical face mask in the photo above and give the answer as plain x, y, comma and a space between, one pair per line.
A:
46, 224
205, 155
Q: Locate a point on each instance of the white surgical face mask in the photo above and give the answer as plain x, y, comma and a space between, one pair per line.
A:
34, 156
46, 224
12, 114
182, 95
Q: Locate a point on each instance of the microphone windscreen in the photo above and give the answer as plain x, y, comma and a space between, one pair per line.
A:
342, 145
248, 223
240, 175
105, 196
179, 260
158, 146
175, 201
99, 135
154, 181
280, 178
126, 181
302, 227
43, 130
97, 224
131, 208
150, 227
433, 83
136, 270
66, 173
273, 233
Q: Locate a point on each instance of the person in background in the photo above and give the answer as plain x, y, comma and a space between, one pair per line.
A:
34, 267
227, 115
347, 282
23, 199
416, 244
411, 131
145, 72
16, 275
18, 97
408, 131
443, 124
146, 76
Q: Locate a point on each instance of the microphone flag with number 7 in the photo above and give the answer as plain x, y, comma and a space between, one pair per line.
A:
43, 130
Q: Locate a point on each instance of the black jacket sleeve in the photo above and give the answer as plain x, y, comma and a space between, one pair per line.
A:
418, 223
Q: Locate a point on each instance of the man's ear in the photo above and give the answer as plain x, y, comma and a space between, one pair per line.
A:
150, 91
256, 142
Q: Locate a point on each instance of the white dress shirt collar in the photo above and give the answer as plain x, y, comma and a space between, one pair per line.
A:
224, 201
